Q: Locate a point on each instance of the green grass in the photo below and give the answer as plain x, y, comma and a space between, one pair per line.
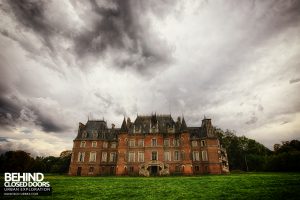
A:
234, 186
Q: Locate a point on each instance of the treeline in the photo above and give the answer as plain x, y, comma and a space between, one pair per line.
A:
248, 155
21, 161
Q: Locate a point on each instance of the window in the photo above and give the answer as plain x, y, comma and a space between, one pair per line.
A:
194, 143
84, 134
167, 156
104, 157
141, 143
113, 145
92, 157
131, 143
94, 144
204, 155
153, 142
131, 169
113, 157
91, 169
131, 157
82, 144
81, 156
95, 134
141, 156
196, 155
176, 155
177, 168
105, 144
166, 142
176, 142
197, 168
203, 143
182, 155
154, 155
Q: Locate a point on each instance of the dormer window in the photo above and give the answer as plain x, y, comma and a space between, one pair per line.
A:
84, 134
95, 134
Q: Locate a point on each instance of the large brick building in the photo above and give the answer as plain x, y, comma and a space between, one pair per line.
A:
151, 145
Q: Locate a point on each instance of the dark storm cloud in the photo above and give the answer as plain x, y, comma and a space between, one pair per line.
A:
121, 28
31, 15
112, 28
13, 111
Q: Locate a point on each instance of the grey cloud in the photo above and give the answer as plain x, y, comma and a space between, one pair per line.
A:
31, 15
252, 120
14, 111
296, 80
112, 28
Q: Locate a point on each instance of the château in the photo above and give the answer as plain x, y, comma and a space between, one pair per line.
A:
153, 145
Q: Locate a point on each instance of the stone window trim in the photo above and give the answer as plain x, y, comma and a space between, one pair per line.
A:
141, 156
132, 143
94, 143
154, 155
93, 156
104, 156
203, 143
82, 143
81, 156
204, 156
131, 156
141, 143
166, 142
194, 143
153, 142
105, 144
196, 156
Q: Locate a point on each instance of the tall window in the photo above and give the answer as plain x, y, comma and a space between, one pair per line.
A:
167, 156
113, 145
105, 144
82, 144
92, 157
112, 157
204, 156
141, 156
153, 142
131, 157
166, 142
203, 144
81, 156
194, 143
196, 155
132, 143
104, 157
176, 142
94, 144
154, 155
176, 155
141, 143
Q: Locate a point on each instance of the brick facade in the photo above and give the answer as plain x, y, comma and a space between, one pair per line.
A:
151, 145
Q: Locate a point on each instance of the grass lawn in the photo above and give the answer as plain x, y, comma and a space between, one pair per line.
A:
233, 186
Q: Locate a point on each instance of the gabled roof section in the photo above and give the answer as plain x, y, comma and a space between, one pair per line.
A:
183, 125
124, 127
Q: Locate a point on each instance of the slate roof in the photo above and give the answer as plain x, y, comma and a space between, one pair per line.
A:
97, 129
149, 124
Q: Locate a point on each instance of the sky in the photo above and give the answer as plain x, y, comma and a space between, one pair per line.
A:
64, 62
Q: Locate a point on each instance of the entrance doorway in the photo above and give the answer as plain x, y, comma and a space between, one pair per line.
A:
153, 170
79, 171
